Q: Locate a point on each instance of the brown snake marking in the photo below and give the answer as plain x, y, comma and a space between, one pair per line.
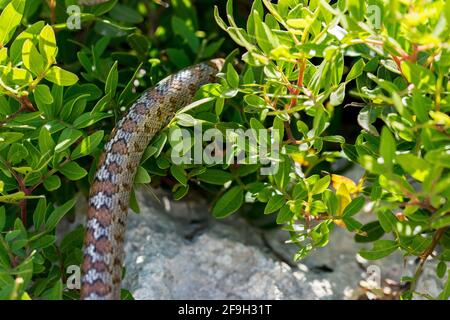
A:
113, 181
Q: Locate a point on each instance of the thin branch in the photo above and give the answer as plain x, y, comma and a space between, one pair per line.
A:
51, 6
25, 104
424, 256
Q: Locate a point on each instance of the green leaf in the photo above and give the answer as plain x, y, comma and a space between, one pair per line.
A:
264, 36
32, 59
163, 163
57, 214
73, 239
218, 106
440, 157
42, 94
126, 14
17, 152
56, 291
284, 215
352, 224
47, 44
335, 138
331, 201
88, 145
61, 77
142, 176
387, 147
39, 213
19, 76
68, 137
415, 166
356, 71
215, 176
88, 119
418, 244
320, 120
180, 27
300, 190
3, 56
356, 8
179, 173
43, 242
321, 185
179, 57
440, 222
370, 232
281, 175
180, 192
10, 20
338, 95
139, 43
421, 106
441, 269
155, 147
46, 143
445, 294
2, 218
370, 164
350, 151
32, 32
421, 77
108, 28
212, 48
381, 248
354, 207
73, 171
111, 81
275, 203
229, 203
52, 183
232, 76
387, 220
186, 120
134, 204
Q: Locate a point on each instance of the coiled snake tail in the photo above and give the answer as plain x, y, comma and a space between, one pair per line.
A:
117, 166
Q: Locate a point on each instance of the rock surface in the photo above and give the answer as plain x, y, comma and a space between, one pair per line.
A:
176, 250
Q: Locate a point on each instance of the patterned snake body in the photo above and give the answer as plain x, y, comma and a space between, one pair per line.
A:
117, 166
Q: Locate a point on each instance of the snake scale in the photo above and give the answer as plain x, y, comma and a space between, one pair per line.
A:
117, 166
113, 181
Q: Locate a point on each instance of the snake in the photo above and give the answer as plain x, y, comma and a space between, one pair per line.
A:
110, 190
109, 195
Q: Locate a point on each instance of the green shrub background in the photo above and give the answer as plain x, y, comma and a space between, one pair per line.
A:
345, 83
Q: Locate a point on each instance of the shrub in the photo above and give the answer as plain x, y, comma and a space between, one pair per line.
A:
54, 122
295, 77
303, 62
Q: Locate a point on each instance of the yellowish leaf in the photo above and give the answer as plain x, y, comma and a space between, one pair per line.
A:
300, 159
440, 118
344, 198
338, 180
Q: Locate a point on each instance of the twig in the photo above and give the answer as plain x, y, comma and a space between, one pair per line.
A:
25, 104
51, 6
424, 256
293, 102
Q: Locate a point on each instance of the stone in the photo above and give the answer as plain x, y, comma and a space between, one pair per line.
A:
177, 250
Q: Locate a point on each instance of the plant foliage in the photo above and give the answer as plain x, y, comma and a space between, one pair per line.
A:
304, 63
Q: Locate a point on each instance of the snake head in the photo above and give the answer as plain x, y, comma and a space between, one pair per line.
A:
217, 63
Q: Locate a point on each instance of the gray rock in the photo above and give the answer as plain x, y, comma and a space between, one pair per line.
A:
176, 250
184, 254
